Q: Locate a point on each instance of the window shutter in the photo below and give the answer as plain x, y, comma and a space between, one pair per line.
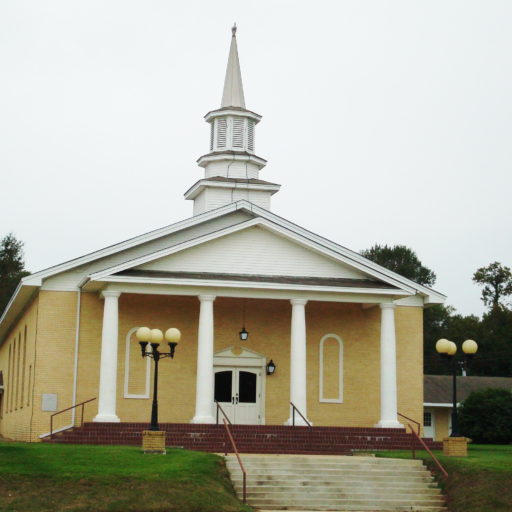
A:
221, 133
238, 133
250, 135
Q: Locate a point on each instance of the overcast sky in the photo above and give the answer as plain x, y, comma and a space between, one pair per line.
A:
384, 121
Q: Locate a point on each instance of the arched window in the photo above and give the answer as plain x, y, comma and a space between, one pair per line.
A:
331, 369
136, 382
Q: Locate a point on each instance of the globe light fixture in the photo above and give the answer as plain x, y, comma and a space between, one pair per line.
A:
447, 350
271, 367
154, 337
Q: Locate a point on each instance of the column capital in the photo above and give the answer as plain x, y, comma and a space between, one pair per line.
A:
298, 302
206, 298
109, 293
387, 305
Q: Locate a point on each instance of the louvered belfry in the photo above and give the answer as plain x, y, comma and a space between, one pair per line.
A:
231, 168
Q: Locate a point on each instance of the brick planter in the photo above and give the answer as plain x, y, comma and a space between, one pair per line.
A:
455, 446
153, 441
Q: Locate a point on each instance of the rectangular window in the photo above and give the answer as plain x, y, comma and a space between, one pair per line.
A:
9, 381
427, 419
24, 367
18, 371
212, 132
29, 391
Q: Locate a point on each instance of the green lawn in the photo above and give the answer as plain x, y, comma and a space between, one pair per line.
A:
480, 482
46, 477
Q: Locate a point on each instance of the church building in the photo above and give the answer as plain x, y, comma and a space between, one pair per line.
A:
245, 287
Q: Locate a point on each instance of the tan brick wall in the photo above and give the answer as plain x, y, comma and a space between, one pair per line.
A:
442, 422
55, 357
268, 323
17, 400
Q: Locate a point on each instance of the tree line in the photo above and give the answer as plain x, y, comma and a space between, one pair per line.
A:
492, 332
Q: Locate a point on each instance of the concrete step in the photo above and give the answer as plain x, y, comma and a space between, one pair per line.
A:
336, 483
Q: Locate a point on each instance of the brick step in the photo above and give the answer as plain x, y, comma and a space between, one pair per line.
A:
249, 438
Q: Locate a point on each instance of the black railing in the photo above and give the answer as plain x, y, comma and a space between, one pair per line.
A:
294, 408
68, 409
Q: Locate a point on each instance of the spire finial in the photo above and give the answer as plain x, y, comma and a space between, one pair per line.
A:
233, 29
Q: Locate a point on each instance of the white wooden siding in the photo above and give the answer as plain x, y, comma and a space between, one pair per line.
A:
253, 251
232, 169
69, 280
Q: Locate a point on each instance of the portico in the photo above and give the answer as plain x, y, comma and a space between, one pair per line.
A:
292, 344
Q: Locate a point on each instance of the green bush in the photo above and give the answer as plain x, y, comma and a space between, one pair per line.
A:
486, 416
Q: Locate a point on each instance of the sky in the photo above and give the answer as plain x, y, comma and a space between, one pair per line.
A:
385, 122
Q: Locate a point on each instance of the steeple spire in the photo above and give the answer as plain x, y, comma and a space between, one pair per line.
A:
233, 95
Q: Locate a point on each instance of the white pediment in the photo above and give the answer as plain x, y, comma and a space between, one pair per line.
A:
254, 250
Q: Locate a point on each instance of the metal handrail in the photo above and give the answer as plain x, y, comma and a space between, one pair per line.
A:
67, 409
294, 408
439, 465
418, 424
244, 473
222, 410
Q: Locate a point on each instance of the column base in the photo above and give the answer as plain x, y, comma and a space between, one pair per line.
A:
106, 418
388, 424
204, 419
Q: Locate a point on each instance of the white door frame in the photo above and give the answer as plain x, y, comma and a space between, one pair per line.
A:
234, 357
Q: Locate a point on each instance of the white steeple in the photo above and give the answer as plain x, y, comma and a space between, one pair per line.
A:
231, 169
233, 95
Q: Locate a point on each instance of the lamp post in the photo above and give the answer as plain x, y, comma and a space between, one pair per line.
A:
447, 349
146, 336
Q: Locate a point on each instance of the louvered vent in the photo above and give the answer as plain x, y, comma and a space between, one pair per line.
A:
212, 132
221, 133
250, 136
238, 133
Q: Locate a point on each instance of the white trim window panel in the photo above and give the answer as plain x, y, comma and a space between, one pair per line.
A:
128, 347
339, 366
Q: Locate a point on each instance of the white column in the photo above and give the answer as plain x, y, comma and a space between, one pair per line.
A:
108, 364
204, 376
388, 393
298, 361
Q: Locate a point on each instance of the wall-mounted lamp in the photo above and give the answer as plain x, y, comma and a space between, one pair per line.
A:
243, 333
271, 367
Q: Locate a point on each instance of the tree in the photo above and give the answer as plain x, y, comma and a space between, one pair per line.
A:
403, 261
496, 280
12, 267
486, 416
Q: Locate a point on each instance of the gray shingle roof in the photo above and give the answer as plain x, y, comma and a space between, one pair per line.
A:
438, 388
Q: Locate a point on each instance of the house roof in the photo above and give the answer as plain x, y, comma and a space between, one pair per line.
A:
437, 389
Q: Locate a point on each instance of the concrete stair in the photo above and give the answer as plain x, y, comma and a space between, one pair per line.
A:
302, 482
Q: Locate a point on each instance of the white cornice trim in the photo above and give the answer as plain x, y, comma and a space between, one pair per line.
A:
226, 283
204, 160
210, 116
431, 404
198, 187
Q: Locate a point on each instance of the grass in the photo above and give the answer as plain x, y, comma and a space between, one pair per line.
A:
46, 477
480, 482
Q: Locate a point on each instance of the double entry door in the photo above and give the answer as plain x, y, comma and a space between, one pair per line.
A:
238, 390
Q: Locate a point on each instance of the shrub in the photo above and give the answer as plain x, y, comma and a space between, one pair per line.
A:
486, 416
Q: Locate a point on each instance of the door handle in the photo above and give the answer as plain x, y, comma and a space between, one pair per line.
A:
236, 398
